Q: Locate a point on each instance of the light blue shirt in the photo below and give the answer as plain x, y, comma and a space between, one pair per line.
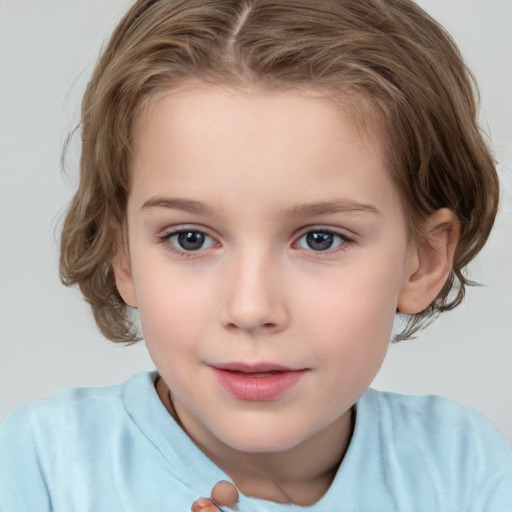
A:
116, 449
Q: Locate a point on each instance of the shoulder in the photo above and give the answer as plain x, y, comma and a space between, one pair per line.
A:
434, 417
455, 448
72, 412
65, 406
39, 439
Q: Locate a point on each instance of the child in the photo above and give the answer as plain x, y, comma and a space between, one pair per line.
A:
267, 183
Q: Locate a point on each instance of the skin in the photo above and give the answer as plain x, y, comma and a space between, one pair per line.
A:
245, 167
224, 494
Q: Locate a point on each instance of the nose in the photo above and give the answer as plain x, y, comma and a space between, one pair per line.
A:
253, 298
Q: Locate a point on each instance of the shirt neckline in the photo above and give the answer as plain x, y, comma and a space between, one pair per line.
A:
187, 463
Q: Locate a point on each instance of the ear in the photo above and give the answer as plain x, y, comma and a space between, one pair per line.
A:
429, 262
121, 265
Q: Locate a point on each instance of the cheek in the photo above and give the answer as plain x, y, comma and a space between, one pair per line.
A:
352, 314
171, 310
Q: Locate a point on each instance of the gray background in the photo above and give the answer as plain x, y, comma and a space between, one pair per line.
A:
48, 340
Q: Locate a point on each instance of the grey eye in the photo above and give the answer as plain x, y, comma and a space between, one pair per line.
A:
189, 240
320, 240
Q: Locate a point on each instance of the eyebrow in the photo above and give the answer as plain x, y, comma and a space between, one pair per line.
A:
330, 207
186, 205
300, 210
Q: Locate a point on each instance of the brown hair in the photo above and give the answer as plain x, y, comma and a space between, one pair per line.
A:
389, 53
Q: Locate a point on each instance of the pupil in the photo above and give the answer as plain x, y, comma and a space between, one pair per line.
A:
191, 240
319, 241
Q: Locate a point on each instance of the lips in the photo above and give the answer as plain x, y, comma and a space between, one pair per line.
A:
260, 382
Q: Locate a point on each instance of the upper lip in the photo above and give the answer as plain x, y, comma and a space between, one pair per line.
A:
254, 367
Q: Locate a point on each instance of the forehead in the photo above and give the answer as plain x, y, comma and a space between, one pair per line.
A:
222, 143
245, 102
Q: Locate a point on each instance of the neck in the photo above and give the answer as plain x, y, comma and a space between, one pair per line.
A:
300, 475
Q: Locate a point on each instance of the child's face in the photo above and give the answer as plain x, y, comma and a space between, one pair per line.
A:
263, 229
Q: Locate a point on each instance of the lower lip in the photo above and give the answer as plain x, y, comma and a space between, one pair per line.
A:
258, 389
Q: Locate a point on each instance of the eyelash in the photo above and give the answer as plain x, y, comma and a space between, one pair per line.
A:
183, 253
344, 241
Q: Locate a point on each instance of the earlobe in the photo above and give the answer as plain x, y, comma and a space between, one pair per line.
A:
430, 262
121, 265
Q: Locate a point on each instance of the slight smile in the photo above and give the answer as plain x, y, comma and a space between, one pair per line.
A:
260, 382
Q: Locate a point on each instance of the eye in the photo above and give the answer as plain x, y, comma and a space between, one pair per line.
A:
321, 240
190, 240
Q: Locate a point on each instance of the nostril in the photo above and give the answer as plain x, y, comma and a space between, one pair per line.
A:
266, 327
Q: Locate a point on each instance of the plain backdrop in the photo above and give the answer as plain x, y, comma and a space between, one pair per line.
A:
48, 340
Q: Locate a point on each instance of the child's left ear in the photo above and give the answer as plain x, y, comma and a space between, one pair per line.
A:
430, 262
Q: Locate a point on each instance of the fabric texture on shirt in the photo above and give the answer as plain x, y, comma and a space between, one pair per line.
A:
116, 449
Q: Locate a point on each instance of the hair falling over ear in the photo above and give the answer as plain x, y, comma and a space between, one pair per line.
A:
395, 66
